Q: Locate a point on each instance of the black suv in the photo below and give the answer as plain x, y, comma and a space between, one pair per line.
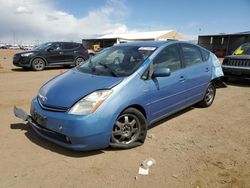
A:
238, 64
52, 54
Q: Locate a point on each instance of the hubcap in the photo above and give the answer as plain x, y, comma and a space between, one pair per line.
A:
126, 129
209, 95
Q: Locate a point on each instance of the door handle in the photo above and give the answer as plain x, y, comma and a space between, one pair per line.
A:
182, 79
61, 52
75, 51
207, 69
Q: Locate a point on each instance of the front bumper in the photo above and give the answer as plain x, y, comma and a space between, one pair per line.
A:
20, 61
235, 71
70, 131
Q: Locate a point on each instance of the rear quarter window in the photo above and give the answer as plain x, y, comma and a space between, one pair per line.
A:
68, 46
77, 45
191, 54
205, 54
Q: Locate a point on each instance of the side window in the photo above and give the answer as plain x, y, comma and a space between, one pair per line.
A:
191, 55
68, 46
169, 58
76, 45
55, 46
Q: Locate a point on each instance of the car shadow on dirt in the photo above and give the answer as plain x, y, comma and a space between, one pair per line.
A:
173, 116
33, 137
46, 69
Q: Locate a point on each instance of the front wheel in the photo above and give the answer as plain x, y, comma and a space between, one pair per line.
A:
38, 64
209, 96
130, 129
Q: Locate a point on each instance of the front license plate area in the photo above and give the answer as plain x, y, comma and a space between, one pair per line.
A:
39, 119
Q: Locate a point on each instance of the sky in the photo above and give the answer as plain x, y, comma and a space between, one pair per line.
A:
37, 21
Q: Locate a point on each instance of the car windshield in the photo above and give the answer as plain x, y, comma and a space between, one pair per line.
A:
244, 49
118, 61
43, 46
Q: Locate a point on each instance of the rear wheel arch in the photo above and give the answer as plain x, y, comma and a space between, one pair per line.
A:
77, 57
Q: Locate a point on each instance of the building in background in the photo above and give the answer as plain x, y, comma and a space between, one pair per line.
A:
111, 39
223, 44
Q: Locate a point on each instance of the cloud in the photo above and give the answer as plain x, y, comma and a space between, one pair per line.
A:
28, 21
23, 10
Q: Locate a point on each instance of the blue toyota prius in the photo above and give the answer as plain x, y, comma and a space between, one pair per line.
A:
111, 99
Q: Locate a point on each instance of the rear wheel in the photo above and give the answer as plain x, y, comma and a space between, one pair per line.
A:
78, 61
209, 96
130, 129
38, 64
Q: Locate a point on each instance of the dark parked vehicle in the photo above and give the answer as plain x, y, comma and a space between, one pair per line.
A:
52, 54
238, 64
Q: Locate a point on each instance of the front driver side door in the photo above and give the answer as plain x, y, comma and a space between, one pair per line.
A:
167, 94
53, 53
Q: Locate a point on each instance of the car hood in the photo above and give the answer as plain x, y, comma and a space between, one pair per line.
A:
27, 51
65, 90
238, 57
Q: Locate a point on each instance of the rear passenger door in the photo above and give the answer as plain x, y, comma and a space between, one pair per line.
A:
167, 94
197, 71
68, 52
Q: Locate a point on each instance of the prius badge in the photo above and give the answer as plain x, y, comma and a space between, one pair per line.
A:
43, 98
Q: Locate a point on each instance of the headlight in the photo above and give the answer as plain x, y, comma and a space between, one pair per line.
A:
27, 54
90, 103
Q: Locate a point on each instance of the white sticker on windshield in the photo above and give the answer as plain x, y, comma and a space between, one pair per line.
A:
147, 48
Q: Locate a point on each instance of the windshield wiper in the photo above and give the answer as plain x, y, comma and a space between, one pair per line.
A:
109, 69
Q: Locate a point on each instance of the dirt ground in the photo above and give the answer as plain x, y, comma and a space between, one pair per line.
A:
194, 148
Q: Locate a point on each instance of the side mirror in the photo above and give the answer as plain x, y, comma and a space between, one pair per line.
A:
161, 72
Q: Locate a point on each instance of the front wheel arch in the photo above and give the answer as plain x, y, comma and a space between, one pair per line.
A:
141, 135
30, 63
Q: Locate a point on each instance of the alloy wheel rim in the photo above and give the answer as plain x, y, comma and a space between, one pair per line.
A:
209, 95
79, 61
39, 64
126, 129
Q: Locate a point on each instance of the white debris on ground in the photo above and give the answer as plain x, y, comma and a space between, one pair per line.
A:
144, 167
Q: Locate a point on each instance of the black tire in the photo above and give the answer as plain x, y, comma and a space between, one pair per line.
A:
79, 60
209, 96
130, 130
38, 64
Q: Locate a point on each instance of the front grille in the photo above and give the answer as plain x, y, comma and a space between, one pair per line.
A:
237, 62
16, 58
52, 134
51, 108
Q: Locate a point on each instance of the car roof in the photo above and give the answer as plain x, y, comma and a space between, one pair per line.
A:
145, 43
